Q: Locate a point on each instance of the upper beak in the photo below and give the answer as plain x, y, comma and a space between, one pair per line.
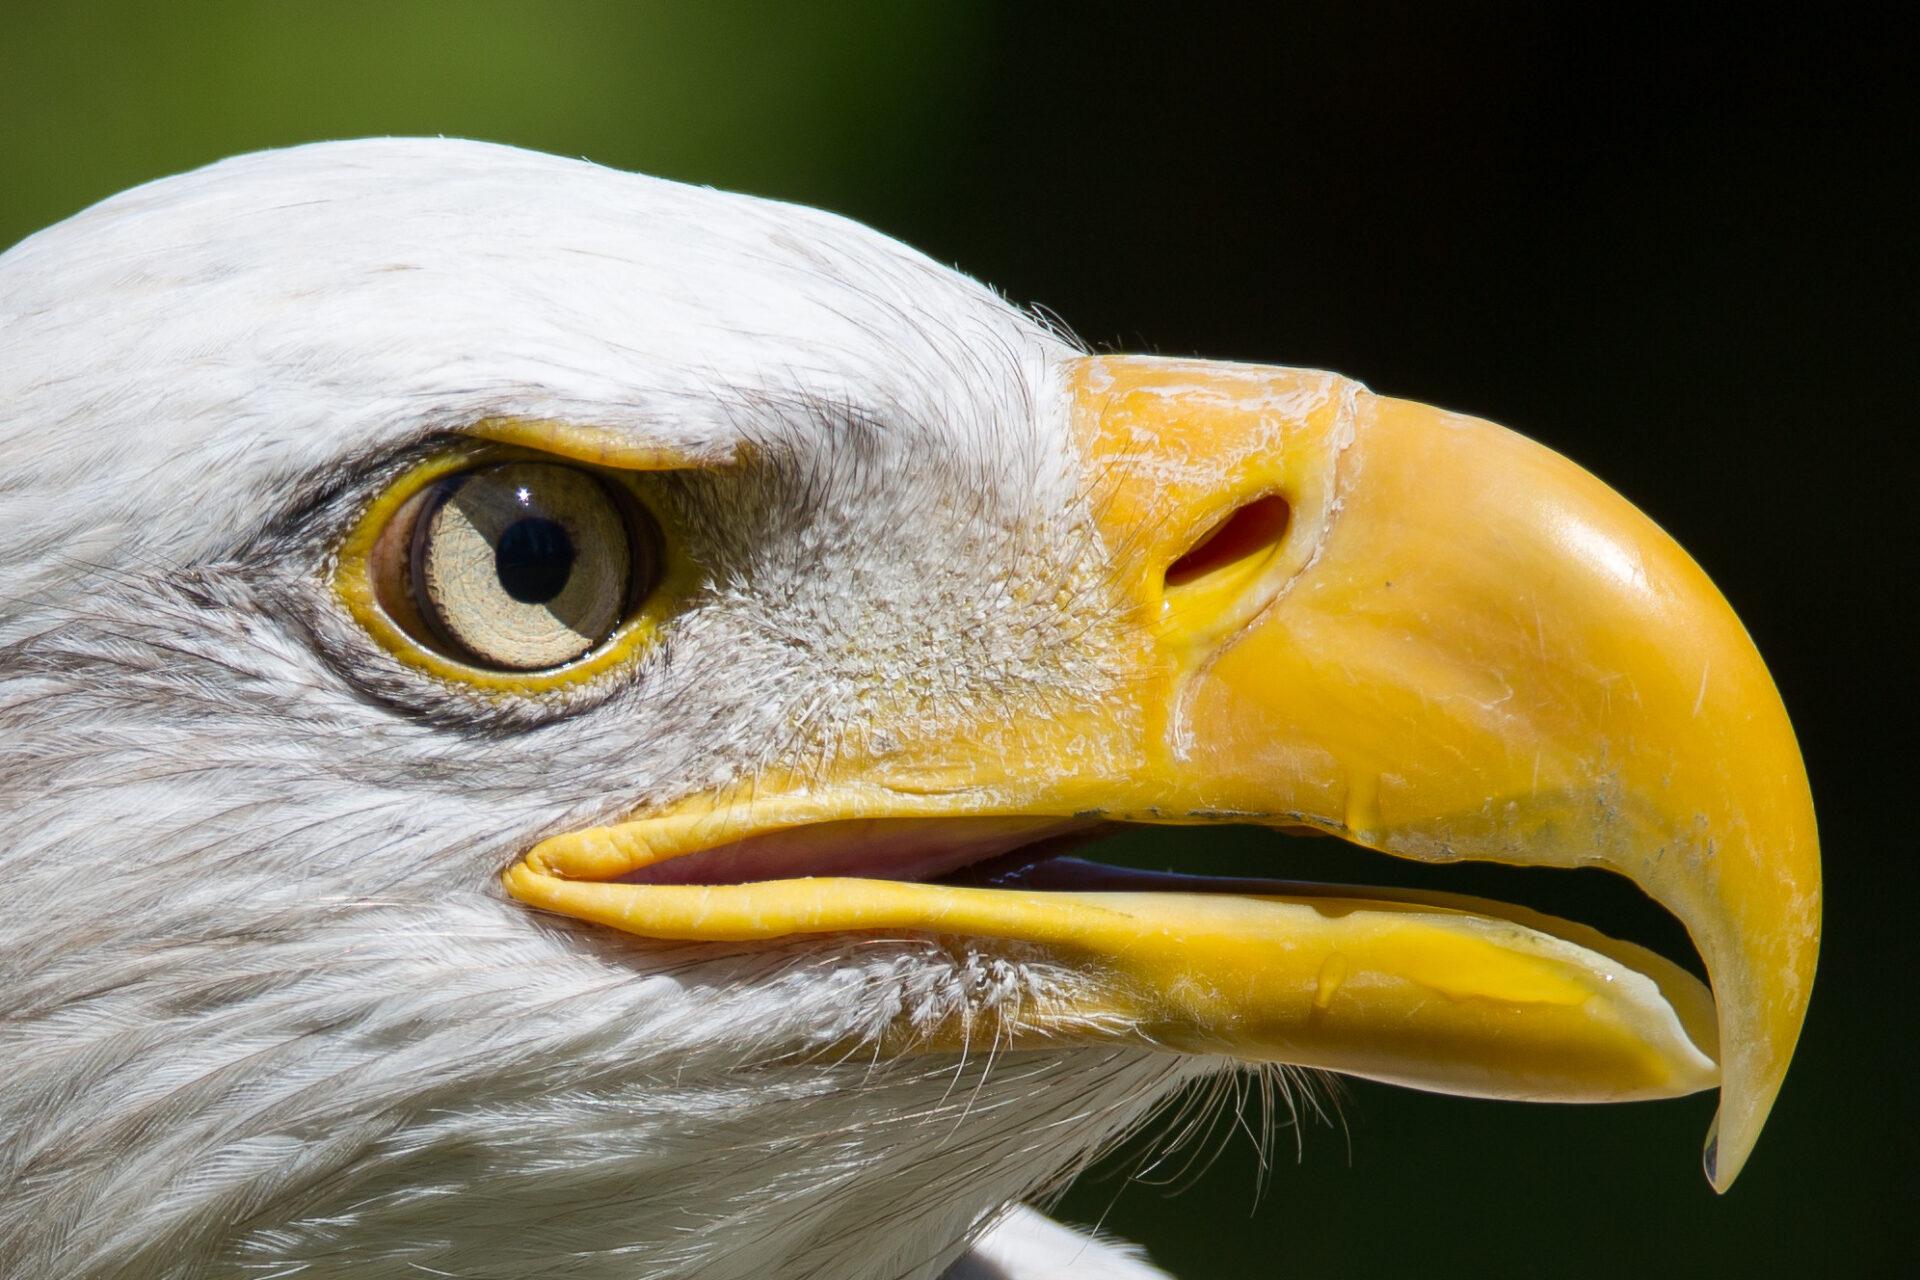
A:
1477, 650
1419, 631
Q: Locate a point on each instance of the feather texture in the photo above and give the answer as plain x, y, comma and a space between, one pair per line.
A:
263, 1009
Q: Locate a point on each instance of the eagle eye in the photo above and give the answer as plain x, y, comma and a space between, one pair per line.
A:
509, 570
520, 566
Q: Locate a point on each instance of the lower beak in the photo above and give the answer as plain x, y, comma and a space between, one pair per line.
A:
1420, 632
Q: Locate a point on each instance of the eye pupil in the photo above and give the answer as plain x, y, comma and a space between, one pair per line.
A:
534, 559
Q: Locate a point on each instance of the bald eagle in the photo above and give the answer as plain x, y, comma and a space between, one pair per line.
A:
545, 714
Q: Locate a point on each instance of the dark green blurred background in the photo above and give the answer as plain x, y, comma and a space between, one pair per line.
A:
1671, 247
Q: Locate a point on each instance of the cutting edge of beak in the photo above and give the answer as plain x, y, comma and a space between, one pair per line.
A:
1432, 637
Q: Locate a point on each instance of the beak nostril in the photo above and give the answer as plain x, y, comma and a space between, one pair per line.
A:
1251, 530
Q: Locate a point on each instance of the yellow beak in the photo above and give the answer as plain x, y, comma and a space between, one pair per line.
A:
1418, 631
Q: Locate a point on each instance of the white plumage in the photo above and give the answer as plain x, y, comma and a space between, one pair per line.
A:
265, 1011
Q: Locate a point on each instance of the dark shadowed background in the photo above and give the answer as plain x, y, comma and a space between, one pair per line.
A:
1674, 248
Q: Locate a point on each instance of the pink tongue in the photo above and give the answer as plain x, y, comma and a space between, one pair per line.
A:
869, 848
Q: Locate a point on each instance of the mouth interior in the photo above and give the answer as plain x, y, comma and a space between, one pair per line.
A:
1082, 855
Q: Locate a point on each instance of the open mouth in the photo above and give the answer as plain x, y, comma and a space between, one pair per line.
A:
1092, 855
1421, 988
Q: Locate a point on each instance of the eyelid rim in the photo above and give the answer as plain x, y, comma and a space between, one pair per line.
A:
353, 585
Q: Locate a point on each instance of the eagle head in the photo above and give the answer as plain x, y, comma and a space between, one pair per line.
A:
544, 714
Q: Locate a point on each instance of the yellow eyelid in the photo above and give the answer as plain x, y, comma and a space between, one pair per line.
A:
599, 447
353, 575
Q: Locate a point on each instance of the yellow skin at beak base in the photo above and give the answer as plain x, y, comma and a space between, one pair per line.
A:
1462, 646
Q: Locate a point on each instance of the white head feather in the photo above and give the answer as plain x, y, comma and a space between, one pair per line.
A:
264, 1009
